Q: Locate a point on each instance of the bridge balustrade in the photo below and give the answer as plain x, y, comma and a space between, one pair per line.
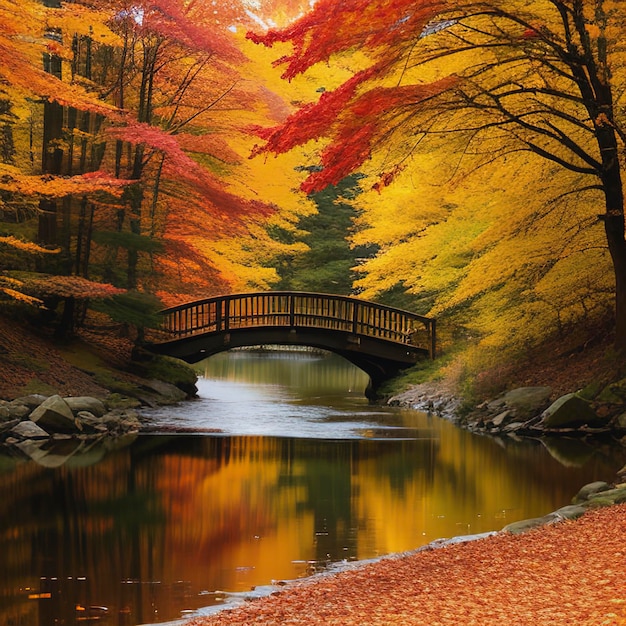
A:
300, 310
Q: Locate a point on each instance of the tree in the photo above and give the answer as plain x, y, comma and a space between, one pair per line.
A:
506, 77
327, 264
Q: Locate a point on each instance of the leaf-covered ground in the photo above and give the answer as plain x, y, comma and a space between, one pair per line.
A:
571, 573
31, 362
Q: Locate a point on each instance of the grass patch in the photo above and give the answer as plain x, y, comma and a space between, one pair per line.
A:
36, 386
27, 362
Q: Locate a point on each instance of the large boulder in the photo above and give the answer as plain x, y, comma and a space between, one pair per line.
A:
526, 402
54, 415
570, 411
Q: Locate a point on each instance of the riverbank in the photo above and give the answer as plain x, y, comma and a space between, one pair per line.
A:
570, 573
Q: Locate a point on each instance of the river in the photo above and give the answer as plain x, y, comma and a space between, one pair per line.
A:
289, 470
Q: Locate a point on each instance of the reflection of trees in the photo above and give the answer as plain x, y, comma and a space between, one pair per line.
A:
67, 526
333, 475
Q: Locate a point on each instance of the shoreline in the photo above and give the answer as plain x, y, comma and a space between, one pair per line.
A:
566, 573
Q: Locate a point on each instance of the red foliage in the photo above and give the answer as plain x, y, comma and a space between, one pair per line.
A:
180, 167
312, 120
358, 115
333, 27
71, 287
184, 25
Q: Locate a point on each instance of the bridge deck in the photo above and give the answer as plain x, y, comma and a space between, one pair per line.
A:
300, 310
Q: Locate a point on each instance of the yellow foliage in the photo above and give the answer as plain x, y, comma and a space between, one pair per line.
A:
503, 244
21, 297
27, 246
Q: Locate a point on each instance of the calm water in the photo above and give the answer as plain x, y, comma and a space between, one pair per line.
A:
303, 473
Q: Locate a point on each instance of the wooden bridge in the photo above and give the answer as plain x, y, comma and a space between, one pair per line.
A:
379, 339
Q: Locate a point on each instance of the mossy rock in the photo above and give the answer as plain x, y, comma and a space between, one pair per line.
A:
608, 497
122, 402
570, 411
615, 393
166, 369
590, 490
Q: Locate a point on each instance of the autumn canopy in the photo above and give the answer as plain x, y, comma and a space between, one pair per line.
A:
472, 153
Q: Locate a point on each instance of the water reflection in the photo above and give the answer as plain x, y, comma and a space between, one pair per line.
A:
157, 528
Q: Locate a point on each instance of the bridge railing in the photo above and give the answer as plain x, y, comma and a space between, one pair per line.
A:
300, 310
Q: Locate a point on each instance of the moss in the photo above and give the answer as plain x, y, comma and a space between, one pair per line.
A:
166, 369
27, 362
119, 401
171, 371
36, 386
107, 380
590, 391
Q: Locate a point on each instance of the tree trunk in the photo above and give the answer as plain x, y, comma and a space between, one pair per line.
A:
614, 229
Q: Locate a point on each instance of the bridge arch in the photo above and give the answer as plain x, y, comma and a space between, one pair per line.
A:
379, 339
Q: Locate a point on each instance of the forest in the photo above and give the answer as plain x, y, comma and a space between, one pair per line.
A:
459, 159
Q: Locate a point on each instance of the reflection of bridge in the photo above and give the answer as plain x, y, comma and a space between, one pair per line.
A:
380, 340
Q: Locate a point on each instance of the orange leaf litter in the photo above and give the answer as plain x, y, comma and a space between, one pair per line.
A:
570, 573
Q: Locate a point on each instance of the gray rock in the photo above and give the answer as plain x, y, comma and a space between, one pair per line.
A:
571, 511
29, 430
590, 489
54, 415
502, 418
569, 411
18, 410
32, 401
517, 528
527, 401
86, 403
608, 497
8, 425
167, 391
90, 423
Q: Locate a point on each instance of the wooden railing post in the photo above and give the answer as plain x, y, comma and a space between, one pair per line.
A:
292, 312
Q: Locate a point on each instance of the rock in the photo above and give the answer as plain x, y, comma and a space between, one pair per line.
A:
5, 413
32, 401
527, 401
569, 410
571, 511
17, 410
54, 415
517, 528
90, 423
86, 403
8, 425
502, 418
590, 489
29, 430
168, 392
513, 426
608, 497
620, 421
615, 393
